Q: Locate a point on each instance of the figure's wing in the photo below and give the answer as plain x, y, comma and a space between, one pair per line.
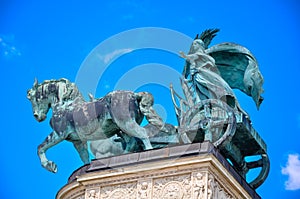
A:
238, 67
207, 35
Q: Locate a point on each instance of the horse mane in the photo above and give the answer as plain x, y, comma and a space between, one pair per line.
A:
63, 88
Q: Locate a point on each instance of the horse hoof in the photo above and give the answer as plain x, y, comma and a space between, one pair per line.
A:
51, 166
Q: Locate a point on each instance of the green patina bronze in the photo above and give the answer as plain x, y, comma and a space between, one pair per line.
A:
208, 111
119, 113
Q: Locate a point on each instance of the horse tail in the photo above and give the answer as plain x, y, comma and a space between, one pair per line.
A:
146, 102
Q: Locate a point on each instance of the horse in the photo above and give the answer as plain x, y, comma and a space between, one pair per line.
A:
78, 121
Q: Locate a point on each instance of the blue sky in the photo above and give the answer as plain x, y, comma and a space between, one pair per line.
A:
51, 39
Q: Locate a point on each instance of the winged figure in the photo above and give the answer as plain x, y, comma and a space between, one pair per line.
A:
215, 71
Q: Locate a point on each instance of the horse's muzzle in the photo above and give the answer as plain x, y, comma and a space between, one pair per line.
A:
39, 118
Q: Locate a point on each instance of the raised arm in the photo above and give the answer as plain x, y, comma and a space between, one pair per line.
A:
190, 59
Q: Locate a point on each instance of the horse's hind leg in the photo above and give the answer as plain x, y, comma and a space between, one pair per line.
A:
82, 149
132, 129
122, 108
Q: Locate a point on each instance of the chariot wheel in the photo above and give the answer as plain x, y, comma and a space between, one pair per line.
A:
264, 163
210, 120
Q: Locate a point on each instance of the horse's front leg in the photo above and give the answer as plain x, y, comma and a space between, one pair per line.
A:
52, 139
82, 149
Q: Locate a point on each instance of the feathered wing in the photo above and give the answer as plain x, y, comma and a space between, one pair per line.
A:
239, 68
207, 35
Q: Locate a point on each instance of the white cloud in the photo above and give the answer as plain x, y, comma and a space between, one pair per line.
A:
292, 170
7, 49
110, 56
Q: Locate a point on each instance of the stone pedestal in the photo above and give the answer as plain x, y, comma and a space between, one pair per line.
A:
196, 171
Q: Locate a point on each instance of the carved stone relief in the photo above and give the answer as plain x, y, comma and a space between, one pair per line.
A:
194, 185
144, 189
216, 190
172, 187
205, 186
92, 193
120, 191
199, 185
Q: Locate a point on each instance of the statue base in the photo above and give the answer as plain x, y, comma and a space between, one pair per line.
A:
196, 171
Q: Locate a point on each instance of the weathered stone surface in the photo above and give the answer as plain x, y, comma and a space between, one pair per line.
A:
198, 174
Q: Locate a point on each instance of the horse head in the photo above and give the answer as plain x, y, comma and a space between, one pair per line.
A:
49, 94
40, 99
